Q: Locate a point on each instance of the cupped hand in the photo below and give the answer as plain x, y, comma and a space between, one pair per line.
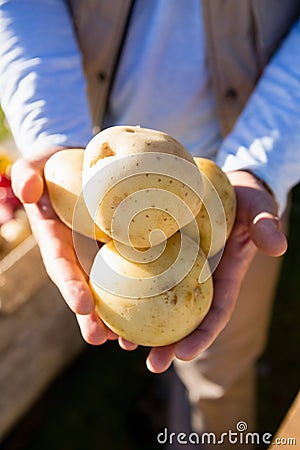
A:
257, 227
55, 241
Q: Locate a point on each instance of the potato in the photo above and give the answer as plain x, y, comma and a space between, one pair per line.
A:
217, 214
152, 300
63, 174
137, 181
161, 213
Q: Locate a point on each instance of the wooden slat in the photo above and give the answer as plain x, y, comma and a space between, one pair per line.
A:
39, 335
21, 274
288, 434
37, 341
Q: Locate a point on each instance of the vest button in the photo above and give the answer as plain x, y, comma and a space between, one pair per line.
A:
101, 76
231, 94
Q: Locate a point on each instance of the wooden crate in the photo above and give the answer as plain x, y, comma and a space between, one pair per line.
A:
21, 275
288, 434
39, 335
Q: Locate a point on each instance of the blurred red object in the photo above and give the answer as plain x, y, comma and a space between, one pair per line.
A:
8, 201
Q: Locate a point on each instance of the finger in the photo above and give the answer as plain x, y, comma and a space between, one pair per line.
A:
27, 181
72, 284
228, 277
198, 341
92, 328
111, 336
66, 274
160, 358
225, 295
75, 292
264, 224
56, 247
258, 209
266, 234
127, 345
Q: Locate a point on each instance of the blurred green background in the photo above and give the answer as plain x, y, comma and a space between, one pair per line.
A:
104, 399
4, 132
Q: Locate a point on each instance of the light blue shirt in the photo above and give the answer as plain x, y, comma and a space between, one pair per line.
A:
162, 82
266, 138
42, 87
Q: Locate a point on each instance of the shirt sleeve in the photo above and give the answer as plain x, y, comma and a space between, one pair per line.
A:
42, 85
266, 138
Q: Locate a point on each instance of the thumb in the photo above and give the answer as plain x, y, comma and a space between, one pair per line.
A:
27, 181
265, 229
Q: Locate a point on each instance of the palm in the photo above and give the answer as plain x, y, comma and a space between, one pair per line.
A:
255, 228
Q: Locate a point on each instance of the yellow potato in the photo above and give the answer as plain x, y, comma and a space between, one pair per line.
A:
137, 181
63, 175
134, 188
152, 299
217, 214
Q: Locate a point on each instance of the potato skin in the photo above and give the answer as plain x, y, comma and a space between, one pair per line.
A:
102, 159
63, 175
177, 309
160, 319
220, 201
